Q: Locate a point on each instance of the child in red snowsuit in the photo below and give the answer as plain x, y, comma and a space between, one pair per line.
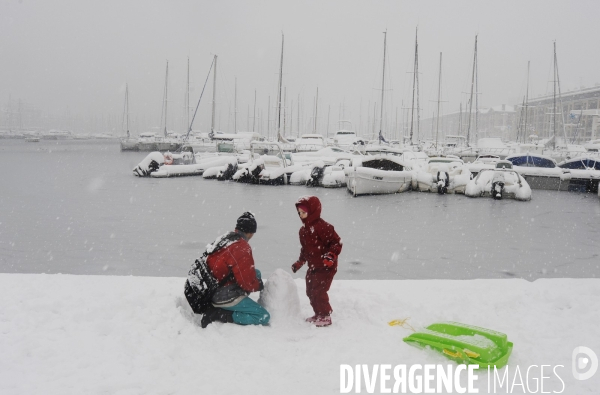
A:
321, 246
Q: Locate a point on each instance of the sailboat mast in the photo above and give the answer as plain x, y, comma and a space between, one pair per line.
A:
559, 96
526, 103
279, 92
187, 96
460, 120
235, 107
166, 94
316, 110
284, 111
554, 101
298, 132
437, 121
471, 97
254, 115
382, 87
415, 67
212, 125
520, 130
127, 107
476, 92
328, 113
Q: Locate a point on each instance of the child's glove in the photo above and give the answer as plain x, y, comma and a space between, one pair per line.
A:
296, 266
329, 259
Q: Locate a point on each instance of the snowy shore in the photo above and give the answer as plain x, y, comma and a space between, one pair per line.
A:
66, 334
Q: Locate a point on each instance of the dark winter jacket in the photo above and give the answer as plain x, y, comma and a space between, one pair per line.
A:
234, 264
317, 237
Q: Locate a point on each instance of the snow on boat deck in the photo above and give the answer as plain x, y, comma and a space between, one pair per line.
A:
66, 334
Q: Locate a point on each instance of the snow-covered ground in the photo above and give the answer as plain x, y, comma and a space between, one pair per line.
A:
67, 334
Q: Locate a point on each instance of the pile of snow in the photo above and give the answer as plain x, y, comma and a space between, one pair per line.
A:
65, 334
280, 297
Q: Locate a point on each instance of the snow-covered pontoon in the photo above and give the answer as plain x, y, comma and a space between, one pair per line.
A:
378, 174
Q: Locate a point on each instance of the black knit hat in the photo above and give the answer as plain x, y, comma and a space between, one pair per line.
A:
246, 223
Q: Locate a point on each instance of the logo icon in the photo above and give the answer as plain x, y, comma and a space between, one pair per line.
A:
585, 363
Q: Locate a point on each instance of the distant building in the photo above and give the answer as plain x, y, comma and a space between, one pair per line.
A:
508, 121
497, 121
577, 129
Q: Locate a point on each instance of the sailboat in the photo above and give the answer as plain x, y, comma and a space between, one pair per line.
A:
564, 151
470, 153
415, 94
178, 164
379, 173
127, 143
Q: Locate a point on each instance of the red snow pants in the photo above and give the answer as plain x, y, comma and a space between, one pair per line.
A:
317, 285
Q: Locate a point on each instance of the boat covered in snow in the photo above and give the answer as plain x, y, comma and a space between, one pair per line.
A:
499, 183
267, 169
310, 142
151, 163
541, 172
334, 176
180, 164
442, 175
584, 173
321, 174
378, 174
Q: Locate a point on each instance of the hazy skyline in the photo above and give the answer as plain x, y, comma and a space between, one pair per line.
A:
67, 54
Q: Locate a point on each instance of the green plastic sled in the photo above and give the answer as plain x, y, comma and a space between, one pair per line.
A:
463, 343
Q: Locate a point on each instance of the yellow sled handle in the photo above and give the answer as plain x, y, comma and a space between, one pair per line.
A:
402, 323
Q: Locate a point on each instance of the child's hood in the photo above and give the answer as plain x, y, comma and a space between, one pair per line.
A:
314, 208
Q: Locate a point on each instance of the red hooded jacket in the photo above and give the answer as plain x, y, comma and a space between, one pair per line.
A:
235, 259
317, 237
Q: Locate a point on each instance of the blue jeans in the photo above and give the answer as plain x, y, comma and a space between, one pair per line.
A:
248, 312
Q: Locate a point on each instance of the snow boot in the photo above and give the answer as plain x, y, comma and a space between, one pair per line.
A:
216, 314
324, 320
311, 319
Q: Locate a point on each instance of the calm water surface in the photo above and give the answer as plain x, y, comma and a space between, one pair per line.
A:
75, 207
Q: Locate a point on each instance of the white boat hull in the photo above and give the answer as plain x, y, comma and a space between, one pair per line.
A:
367, 181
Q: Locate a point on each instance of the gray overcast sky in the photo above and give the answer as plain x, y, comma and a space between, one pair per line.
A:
59, 54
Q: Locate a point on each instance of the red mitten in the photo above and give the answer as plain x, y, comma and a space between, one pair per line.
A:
329, 259
296, 266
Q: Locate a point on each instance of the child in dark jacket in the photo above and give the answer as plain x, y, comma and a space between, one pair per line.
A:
321, 246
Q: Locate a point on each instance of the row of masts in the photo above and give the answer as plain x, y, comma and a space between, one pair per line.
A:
415, 117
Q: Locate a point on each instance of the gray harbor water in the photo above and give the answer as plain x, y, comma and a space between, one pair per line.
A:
75, 207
